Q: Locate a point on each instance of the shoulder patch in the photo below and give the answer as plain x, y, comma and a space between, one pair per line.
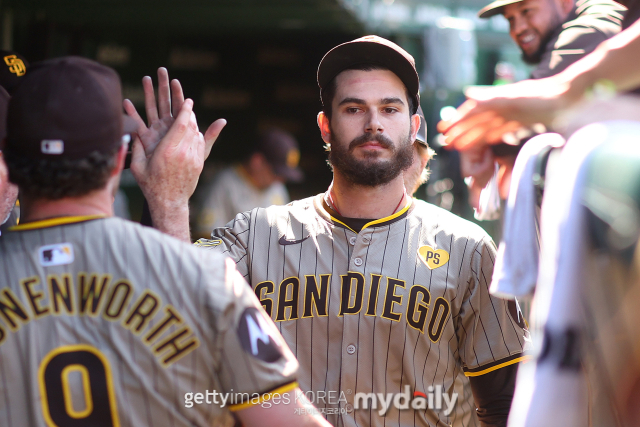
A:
208, 242
257, 336
433, 258
59, 254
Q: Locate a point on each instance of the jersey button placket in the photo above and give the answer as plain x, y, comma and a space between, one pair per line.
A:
350, 337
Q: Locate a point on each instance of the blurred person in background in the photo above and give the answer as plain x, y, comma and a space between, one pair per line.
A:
553, 34
258, 181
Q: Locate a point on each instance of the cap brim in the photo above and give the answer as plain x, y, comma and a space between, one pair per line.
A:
495, 8
129, 125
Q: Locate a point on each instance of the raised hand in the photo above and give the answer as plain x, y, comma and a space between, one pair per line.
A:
168, 155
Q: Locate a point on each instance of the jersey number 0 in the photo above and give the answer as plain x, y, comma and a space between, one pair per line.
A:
92, 368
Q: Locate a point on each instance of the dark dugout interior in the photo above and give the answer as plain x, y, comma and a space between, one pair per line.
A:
252, 62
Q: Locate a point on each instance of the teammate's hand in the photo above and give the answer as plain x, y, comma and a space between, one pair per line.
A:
490, 113
169, 154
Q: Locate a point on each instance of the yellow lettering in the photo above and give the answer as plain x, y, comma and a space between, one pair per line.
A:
34, 297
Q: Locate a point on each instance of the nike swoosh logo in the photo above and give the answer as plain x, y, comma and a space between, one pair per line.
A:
284, 241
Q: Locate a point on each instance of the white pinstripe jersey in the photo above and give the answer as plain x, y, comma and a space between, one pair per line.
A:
403, 302
107, 323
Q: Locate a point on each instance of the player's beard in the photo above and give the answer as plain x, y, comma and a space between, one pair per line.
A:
536, 57
370, 171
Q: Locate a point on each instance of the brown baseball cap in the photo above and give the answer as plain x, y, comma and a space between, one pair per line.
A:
495, 8
371, 50
281, 151
67, 108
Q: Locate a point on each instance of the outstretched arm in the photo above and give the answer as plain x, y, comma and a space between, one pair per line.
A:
490, 113
168, 155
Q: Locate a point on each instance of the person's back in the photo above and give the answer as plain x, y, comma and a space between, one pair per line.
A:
109, 322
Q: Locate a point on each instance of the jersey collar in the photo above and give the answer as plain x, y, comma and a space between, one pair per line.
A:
319, 202
52, 222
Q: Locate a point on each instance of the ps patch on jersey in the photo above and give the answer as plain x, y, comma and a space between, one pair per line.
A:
256, 336
433, 258
59, 254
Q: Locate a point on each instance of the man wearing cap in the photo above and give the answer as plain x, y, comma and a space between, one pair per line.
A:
104, 322
554, 34
382, 298
258, 181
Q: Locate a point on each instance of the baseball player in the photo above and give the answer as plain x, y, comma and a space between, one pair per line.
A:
107, 323
382, 298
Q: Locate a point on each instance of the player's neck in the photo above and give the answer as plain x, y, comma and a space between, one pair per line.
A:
356, 201
99, 202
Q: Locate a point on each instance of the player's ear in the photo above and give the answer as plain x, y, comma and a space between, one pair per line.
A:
121, 155
325, 129
415, 126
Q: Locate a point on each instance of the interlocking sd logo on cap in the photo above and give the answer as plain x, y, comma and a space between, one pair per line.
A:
16, 66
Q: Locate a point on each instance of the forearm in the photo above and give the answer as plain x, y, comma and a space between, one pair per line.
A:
615, 60
171, 218
493, 393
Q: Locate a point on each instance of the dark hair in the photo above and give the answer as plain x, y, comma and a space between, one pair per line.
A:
55, 179
329, 91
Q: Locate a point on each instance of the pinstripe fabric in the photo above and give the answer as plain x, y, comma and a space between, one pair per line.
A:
372, 346
202, 288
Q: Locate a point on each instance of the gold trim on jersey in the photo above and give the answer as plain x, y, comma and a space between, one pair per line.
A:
264, 397
377, 221
496, 367
390, 217
52, 222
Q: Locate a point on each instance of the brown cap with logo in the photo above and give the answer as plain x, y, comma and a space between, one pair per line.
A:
67, 108
495, 8
281, 151
371, 50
